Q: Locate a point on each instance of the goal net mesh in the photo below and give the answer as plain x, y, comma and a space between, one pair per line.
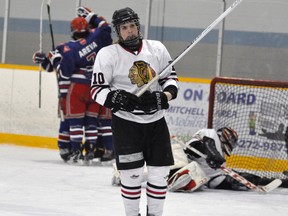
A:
258, 111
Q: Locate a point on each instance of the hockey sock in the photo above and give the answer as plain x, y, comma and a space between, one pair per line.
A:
131, 189
156, 189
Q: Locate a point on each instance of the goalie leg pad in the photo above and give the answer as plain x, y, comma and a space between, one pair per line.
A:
189, 178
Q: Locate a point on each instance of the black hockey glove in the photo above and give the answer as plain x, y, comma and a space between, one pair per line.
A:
214, 158
121, 100
39, 57
153, 101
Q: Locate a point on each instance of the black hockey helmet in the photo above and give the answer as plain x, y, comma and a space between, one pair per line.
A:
228, 138
124, 15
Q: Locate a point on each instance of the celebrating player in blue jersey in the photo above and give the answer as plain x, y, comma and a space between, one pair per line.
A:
74, 61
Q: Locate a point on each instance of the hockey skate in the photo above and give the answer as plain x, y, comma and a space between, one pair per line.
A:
108, 158
65, 154
76, 157
99, 152
89, 153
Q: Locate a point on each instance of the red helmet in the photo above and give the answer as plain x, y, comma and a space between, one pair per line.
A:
78, 26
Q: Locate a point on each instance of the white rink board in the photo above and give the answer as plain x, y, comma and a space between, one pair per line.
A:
189, 112
20, 112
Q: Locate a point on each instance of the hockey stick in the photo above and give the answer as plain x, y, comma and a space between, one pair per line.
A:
192, 44
40, 50
61, 113
266, 188
50, 24
78, 3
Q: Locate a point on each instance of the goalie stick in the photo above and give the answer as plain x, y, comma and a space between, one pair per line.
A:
264, 189
192, 44
61, 113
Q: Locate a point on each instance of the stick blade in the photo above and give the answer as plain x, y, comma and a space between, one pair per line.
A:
271, 186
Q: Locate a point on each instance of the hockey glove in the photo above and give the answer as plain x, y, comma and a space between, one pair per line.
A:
83, 12
153, 101
87, 14
55, 57
214, 158
39, 57
121, 100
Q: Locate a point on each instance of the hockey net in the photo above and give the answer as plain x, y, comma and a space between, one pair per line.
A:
258, 111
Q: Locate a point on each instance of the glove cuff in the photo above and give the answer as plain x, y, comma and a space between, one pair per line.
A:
162, 100
90, 16
55, 58
46, 64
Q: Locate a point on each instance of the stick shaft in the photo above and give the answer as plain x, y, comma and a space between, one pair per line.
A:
40, 50
192, 44
50, 23
61, 113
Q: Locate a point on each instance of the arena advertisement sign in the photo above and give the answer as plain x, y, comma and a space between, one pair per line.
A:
189, 111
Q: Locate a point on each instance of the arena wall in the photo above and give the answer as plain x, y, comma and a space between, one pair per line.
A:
255, 36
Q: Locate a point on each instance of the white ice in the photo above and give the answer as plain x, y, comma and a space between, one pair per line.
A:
35, 182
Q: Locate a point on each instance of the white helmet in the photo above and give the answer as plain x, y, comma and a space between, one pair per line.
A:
228, 138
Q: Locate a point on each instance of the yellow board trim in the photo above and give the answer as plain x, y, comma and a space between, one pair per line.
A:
197, 80
29, 141
20, 67
36, 68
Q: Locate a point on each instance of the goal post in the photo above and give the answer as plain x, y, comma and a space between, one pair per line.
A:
258, 111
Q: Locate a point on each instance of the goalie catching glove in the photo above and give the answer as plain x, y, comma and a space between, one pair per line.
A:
214, 158
121, 100
153, 101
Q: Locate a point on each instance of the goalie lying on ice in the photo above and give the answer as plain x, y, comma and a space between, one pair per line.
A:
191, 172
201, 171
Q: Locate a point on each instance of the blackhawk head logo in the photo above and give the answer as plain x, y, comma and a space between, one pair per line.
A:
141, 73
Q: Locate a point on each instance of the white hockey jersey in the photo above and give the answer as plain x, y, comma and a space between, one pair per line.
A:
114, 69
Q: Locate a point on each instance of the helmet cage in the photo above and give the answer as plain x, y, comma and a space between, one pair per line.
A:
228, 138
123, 16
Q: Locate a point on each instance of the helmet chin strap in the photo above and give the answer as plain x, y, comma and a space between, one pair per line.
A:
132, 44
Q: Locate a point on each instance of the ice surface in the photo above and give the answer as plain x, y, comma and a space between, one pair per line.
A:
35, 182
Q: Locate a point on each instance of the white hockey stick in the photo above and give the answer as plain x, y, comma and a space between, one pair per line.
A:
192, 44
78, 3
266, 188
40, 50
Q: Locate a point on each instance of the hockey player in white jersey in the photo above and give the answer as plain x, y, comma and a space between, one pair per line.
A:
140, 132
200, 171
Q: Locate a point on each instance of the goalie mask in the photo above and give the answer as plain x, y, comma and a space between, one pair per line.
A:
79, 28
123, 16
228, 138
